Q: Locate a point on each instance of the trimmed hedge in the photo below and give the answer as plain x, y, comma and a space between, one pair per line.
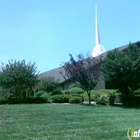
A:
26, 100
66, 98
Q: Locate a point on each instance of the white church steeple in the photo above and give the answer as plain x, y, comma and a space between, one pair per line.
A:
98, 48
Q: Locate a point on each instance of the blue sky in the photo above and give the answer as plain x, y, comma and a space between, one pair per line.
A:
46, 31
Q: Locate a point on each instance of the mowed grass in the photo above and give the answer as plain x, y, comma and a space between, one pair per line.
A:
66, 122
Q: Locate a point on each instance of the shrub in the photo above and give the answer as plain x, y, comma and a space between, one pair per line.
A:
57, 92
58, 99
2, 101
26, 100
75, 100
137, 100
66, 98
112, 98
46, 96
39, 93
103, 100
74, 90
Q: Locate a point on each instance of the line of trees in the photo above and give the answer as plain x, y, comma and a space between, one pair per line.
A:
121, 70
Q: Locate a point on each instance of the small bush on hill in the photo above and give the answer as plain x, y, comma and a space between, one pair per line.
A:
57, 92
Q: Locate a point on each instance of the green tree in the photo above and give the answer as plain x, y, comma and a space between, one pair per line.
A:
86, 71
48, 83
121, 69
17, 76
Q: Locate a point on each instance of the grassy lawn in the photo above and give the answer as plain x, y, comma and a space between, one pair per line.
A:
66, 122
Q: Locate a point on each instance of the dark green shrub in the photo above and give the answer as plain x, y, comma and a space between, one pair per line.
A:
39, 100
57, 92
26, 100
15, 100
75, 100
39, 93
2, 101
112, 98
137, 100
58, 99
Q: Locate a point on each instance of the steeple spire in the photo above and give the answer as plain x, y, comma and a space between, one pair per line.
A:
98, 49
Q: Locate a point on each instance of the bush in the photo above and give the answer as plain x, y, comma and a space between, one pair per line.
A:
58, 99
112, 98
66, 98
26, 100
57, 92
39, 93
74, 90
46, 96
2, 101
75, 100
103, 100
131, 100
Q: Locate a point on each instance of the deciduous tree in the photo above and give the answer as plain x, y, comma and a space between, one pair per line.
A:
121, 69
17, 76
86, 71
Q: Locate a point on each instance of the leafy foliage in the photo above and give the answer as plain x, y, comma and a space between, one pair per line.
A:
57, 99
26, 100
86, 71
57, 92
48, 83
39, 93
75, 100
74, 90
75, 84
17, 76
122, 69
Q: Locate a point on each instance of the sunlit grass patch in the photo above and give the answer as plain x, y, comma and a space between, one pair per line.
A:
66, 122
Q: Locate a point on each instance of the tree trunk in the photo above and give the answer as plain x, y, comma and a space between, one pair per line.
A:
89, 98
